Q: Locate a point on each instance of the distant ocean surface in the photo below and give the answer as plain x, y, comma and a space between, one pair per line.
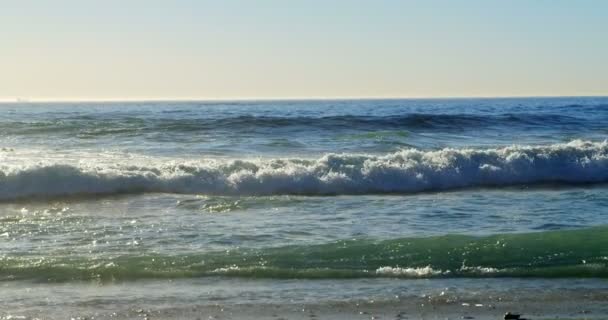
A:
172, 204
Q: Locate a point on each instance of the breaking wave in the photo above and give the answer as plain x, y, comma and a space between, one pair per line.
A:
405, 171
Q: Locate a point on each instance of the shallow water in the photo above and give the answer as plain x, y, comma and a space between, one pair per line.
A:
251, 201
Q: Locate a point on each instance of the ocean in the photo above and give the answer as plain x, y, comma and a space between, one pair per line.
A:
344, 209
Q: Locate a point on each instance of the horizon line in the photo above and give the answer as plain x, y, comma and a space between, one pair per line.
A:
296, 98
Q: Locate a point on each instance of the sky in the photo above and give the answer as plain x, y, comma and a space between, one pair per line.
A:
240, 49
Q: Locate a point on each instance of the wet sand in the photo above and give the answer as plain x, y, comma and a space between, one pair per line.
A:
547, 305
591, 309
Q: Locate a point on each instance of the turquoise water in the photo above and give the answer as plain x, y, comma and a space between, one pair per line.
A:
358, 195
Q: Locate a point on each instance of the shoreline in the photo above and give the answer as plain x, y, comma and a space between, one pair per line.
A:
480, 300
592, 309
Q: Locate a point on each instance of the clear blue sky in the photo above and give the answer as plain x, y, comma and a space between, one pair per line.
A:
178, 49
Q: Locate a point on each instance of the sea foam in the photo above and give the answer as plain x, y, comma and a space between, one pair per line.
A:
404, 171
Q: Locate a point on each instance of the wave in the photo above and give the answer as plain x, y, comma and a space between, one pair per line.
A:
552, 254
87, 126
405, 171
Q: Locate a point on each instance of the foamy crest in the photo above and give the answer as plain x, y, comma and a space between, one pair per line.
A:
408, 272
404, 171
428, 271
478, 270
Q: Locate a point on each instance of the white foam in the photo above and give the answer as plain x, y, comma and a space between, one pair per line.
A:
226, 269
408, 272
479, 270
25, 175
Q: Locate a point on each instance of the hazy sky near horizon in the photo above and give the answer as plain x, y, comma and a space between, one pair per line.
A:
182, 49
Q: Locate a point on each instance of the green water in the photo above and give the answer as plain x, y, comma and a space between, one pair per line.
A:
569, 253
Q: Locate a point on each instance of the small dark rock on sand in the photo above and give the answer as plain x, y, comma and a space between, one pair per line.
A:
512, 316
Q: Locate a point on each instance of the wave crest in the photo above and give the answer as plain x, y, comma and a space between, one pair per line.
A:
405, 171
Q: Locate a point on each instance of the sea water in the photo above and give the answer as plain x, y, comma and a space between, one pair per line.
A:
110, 207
